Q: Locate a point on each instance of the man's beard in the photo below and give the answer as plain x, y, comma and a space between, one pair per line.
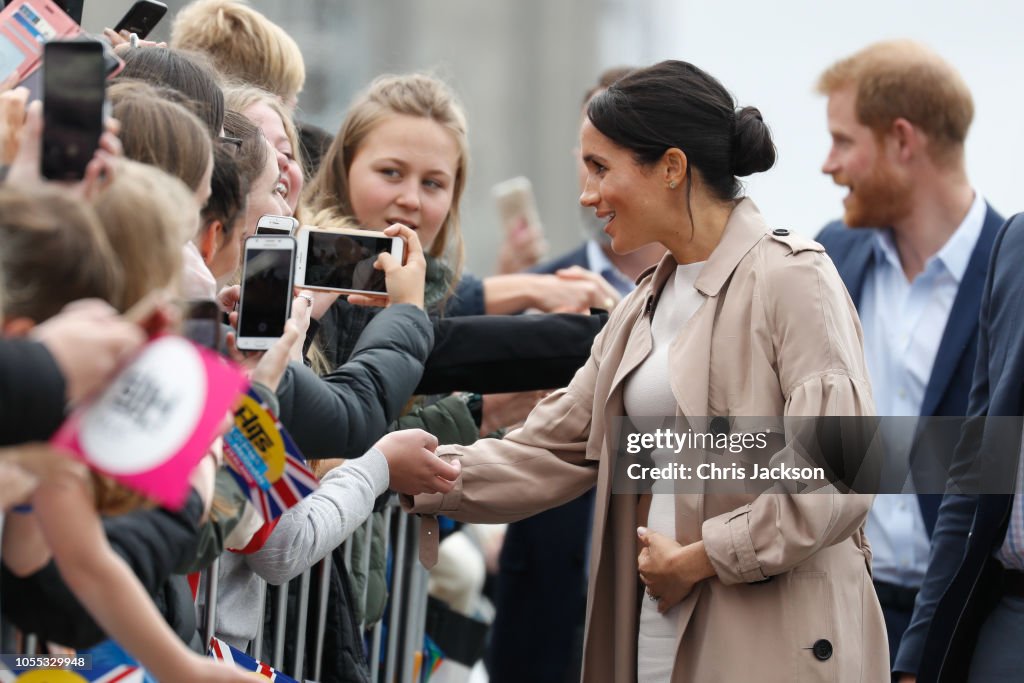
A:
878, 201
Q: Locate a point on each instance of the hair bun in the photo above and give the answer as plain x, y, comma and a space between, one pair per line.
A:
752, 148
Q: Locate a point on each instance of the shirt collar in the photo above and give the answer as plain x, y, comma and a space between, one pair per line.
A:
955, 254
598, 262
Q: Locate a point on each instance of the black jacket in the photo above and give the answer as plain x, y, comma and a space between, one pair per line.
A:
343, 413
151, 542
491, 354
31, 392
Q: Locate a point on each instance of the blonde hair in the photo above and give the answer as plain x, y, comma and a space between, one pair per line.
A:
417, 95
242, 44
905, 79
239, 97
148, 216
160, 132
54, 252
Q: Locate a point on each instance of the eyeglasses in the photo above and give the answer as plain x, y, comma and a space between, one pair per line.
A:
227, 140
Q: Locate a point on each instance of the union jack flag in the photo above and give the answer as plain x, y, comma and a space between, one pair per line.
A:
122, 673
226, 653
265, 461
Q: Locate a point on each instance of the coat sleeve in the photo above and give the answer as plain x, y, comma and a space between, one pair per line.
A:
31, 392
344, 412
492, 354
448, 419
821, 371
321, 521
537, 467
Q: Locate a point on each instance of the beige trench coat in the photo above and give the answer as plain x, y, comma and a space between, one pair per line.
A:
776, 335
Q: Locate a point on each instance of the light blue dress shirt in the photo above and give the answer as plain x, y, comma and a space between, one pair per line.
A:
903, 325
598, 263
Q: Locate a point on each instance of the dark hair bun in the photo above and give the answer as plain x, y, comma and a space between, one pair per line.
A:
752, 148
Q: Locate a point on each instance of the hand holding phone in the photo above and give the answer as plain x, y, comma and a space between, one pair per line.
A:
524, 243
266, 298
141, 18
405, 280
344, 260
74, 99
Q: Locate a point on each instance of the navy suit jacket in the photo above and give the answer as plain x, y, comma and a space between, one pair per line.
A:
962, 581
949, 385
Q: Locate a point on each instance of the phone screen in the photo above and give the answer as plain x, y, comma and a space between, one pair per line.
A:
340, 261
74, 79
266, 292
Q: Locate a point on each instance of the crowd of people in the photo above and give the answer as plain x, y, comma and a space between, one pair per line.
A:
684, 301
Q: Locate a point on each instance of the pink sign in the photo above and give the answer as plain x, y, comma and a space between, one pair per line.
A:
153, 424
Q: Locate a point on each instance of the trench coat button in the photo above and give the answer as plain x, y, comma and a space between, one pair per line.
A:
822, 649
719, 425
780, 232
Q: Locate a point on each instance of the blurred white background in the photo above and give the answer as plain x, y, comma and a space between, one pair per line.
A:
521, 69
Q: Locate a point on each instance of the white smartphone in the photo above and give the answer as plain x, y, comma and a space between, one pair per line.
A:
517, 206
269, 224
267, 273
341, 260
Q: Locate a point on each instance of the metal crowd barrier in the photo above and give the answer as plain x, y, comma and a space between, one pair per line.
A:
397, 646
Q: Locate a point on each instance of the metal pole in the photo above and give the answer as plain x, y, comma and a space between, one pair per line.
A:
280, 617
417, 585
364, 566
211, 581
300, 639
378, 628
394, 619
256, 648
321, 617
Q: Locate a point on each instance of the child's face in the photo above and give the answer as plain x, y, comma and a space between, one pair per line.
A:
404, 172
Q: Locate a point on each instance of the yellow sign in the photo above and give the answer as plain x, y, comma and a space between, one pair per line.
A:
49, 676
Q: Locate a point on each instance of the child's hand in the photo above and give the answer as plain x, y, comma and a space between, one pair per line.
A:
413, 466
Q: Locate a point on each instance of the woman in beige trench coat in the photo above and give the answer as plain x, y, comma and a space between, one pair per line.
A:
769, 587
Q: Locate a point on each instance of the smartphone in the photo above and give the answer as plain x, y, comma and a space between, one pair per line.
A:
266, 302
270, 224
25, 26
202, 323
341, 260
74, 98
142, 17
517, 206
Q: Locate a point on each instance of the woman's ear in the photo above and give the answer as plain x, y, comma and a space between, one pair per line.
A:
18, 327
209, 240
675, 165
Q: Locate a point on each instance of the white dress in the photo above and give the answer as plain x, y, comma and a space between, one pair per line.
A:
647, 393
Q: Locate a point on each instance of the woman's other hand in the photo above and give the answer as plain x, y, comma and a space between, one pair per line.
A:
669, 570
413, 466
405, 283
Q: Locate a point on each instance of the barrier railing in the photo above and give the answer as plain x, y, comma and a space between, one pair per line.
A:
394, 649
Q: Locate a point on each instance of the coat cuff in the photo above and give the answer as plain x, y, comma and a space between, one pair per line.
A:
731, 549
428, 505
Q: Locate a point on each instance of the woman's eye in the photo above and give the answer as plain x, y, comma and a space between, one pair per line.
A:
435, 184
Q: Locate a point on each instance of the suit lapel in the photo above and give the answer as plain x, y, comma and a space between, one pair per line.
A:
962, 325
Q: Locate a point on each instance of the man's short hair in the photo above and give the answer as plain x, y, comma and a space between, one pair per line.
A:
242, 44
904, 79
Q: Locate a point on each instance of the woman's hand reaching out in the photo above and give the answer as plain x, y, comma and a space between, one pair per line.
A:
414, 467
